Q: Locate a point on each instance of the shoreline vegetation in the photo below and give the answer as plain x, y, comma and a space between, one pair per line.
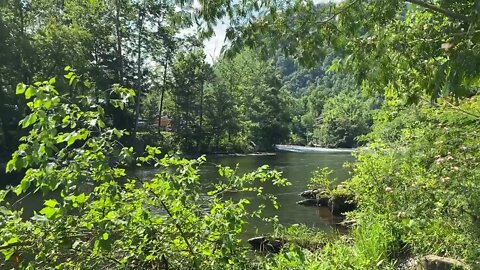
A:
88, 88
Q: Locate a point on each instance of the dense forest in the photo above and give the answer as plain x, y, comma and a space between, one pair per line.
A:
248, 102
91, 89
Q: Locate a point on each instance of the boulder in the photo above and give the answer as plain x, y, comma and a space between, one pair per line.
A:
339, 205
257, 242
265, 244
309, 202
323, 200
310, 194
433, 262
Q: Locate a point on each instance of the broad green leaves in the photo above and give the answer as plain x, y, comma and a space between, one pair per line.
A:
100, 211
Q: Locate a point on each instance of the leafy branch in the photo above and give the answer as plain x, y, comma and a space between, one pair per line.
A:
446, 12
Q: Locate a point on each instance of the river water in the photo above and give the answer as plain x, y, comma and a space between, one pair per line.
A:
297, 166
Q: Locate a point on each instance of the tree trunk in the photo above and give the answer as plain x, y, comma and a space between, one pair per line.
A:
139, 74
201, 107
164, 87
119, 42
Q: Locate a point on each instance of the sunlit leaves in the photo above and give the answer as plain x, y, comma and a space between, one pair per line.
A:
71, 151
421, 170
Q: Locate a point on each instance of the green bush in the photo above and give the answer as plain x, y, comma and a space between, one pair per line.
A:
426, 179
167, 222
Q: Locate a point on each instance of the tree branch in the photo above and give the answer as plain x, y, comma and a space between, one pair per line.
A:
182, 233
446, 12
336, 13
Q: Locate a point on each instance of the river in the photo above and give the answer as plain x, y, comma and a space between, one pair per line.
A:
297, 166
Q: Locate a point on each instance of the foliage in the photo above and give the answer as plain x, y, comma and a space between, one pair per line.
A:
119, 222
191, 73
256, 114
367, 248
302, 236
344, 118
321, 180
425, 179
413, 47
98, 38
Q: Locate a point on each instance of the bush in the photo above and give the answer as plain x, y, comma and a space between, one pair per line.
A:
167, 222
426, 179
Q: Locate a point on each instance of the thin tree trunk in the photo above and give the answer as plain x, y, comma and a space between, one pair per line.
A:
200, 137
164, 86
119, 42
139, 71
20, 39
201, 108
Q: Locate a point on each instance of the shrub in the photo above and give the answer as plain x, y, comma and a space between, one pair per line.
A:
427, 179
167, 222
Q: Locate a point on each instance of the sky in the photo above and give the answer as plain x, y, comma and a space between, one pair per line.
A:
213, 46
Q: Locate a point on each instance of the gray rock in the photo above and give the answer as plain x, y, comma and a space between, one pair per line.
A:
309, 202
341, 205
310, 194
433, 262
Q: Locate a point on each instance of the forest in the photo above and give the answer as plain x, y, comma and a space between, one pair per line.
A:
93, 90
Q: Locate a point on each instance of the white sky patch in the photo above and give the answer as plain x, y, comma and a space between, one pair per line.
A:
213, 46
196, 4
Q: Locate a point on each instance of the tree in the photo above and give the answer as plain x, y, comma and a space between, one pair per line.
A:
344, 118
117, 223
414, 47
260, 104
190, 73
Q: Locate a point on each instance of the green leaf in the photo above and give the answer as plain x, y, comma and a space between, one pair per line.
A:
105, 236
51, 203
48, 104
81, 198
52, 80
48, 212
8, 253
13, 240
29, 120
24, 185
72, 80
20, 89
10, 166
30, 92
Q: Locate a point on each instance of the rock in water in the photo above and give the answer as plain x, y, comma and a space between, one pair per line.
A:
310, 194
340, 205
257, 242
308, 202
323, 200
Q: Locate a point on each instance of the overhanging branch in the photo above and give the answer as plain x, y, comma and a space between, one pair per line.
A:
446, 12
